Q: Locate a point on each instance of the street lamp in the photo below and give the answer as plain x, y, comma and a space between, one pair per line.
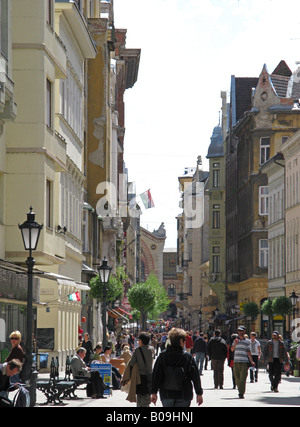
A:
30, 230
104, 273
189, 320
181, 319
200, 320
233, 312
294, 299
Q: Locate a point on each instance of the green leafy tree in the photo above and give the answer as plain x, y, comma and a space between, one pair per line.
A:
149, 298
251, 309
142, 298
161, 299
115, 287
267, 309
282, 306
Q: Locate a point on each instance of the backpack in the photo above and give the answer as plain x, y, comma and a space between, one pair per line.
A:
174, 376
22, 398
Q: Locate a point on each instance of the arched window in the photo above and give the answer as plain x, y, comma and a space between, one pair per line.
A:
171, 289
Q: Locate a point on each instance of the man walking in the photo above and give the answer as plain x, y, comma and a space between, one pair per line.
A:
217, 352
242, 355
143, 356
275, 354
256, 353
200, 351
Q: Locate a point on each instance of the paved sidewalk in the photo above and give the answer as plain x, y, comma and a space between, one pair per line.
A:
257, 394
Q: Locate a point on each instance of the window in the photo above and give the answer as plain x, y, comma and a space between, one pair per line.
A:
264, 149
48, 103
171, 289
71, 203
216, 219
4, 32
49, 11
263, 253
263, 200
216, 178
85, 231
71, 102
48, 203
216, 264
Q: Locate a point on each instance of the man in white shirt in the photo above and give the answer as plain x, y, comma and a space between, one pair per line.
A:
256, 353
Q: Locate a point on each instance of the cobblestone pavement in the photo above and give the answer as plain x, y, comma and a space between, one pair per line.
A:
257, 394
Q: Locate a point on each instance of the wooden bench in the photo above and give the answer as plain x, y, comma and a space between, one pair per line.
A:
55, 389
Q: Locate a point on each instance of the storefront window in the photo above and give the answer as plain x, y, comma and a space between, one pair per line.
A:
13, 317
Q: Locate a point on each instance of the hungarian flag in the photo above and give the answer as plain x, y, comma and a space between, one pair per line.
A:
74, 297
147, 199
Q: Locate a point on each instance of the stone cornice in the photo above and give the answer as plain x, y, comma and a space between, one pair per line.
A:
37, 150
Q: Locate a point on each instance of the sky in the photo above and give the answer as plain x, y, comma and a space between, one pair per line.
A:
189, 51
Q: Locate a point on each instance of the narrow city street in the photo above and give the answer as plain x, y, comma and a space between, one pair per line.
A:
257, 395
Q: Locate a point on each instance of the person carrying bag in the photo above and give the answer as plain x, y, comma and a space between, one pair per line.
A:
175, 373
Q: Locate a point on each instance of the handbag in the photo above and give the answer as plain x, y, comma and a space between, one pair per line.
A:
144, 387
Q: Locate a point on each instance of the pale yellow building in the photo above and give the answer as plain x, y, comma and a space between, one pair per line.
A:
45, 154
291, 153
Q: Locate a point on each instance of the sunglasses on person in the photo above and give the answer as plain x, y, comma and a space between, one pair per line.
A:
14, 338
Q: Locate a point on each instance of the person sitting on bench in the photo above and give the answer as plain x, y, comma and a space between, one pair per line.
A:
95, 382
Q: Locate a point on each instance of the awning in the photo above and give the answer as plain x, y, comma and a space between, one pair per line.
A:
236, 319
123, 311
78, 285
118, 312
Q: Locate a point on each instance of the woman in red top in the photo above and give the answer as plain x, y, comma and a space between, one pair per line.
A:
188, 342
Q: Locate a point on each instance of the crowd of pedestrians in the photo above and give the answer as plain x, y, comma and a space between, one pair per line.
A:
167, 364
170, 364
179, 359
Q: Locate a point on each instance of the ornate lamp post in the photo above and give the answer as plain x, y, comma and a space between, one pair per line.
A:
189, 320
294, 299
104, 273
30, 230
200, 320
233, 312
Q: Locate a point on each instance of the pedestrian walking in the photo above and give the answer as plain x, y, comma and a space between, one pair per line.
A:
206, 358
143, 356
188, 342
217, 352
174, 374
275, 354
242, 355
230, 357
200, 352
256, 354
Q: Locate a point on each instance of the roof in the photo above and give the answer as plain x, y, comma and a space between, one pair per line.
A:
243, 95
282, 69
216, 148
